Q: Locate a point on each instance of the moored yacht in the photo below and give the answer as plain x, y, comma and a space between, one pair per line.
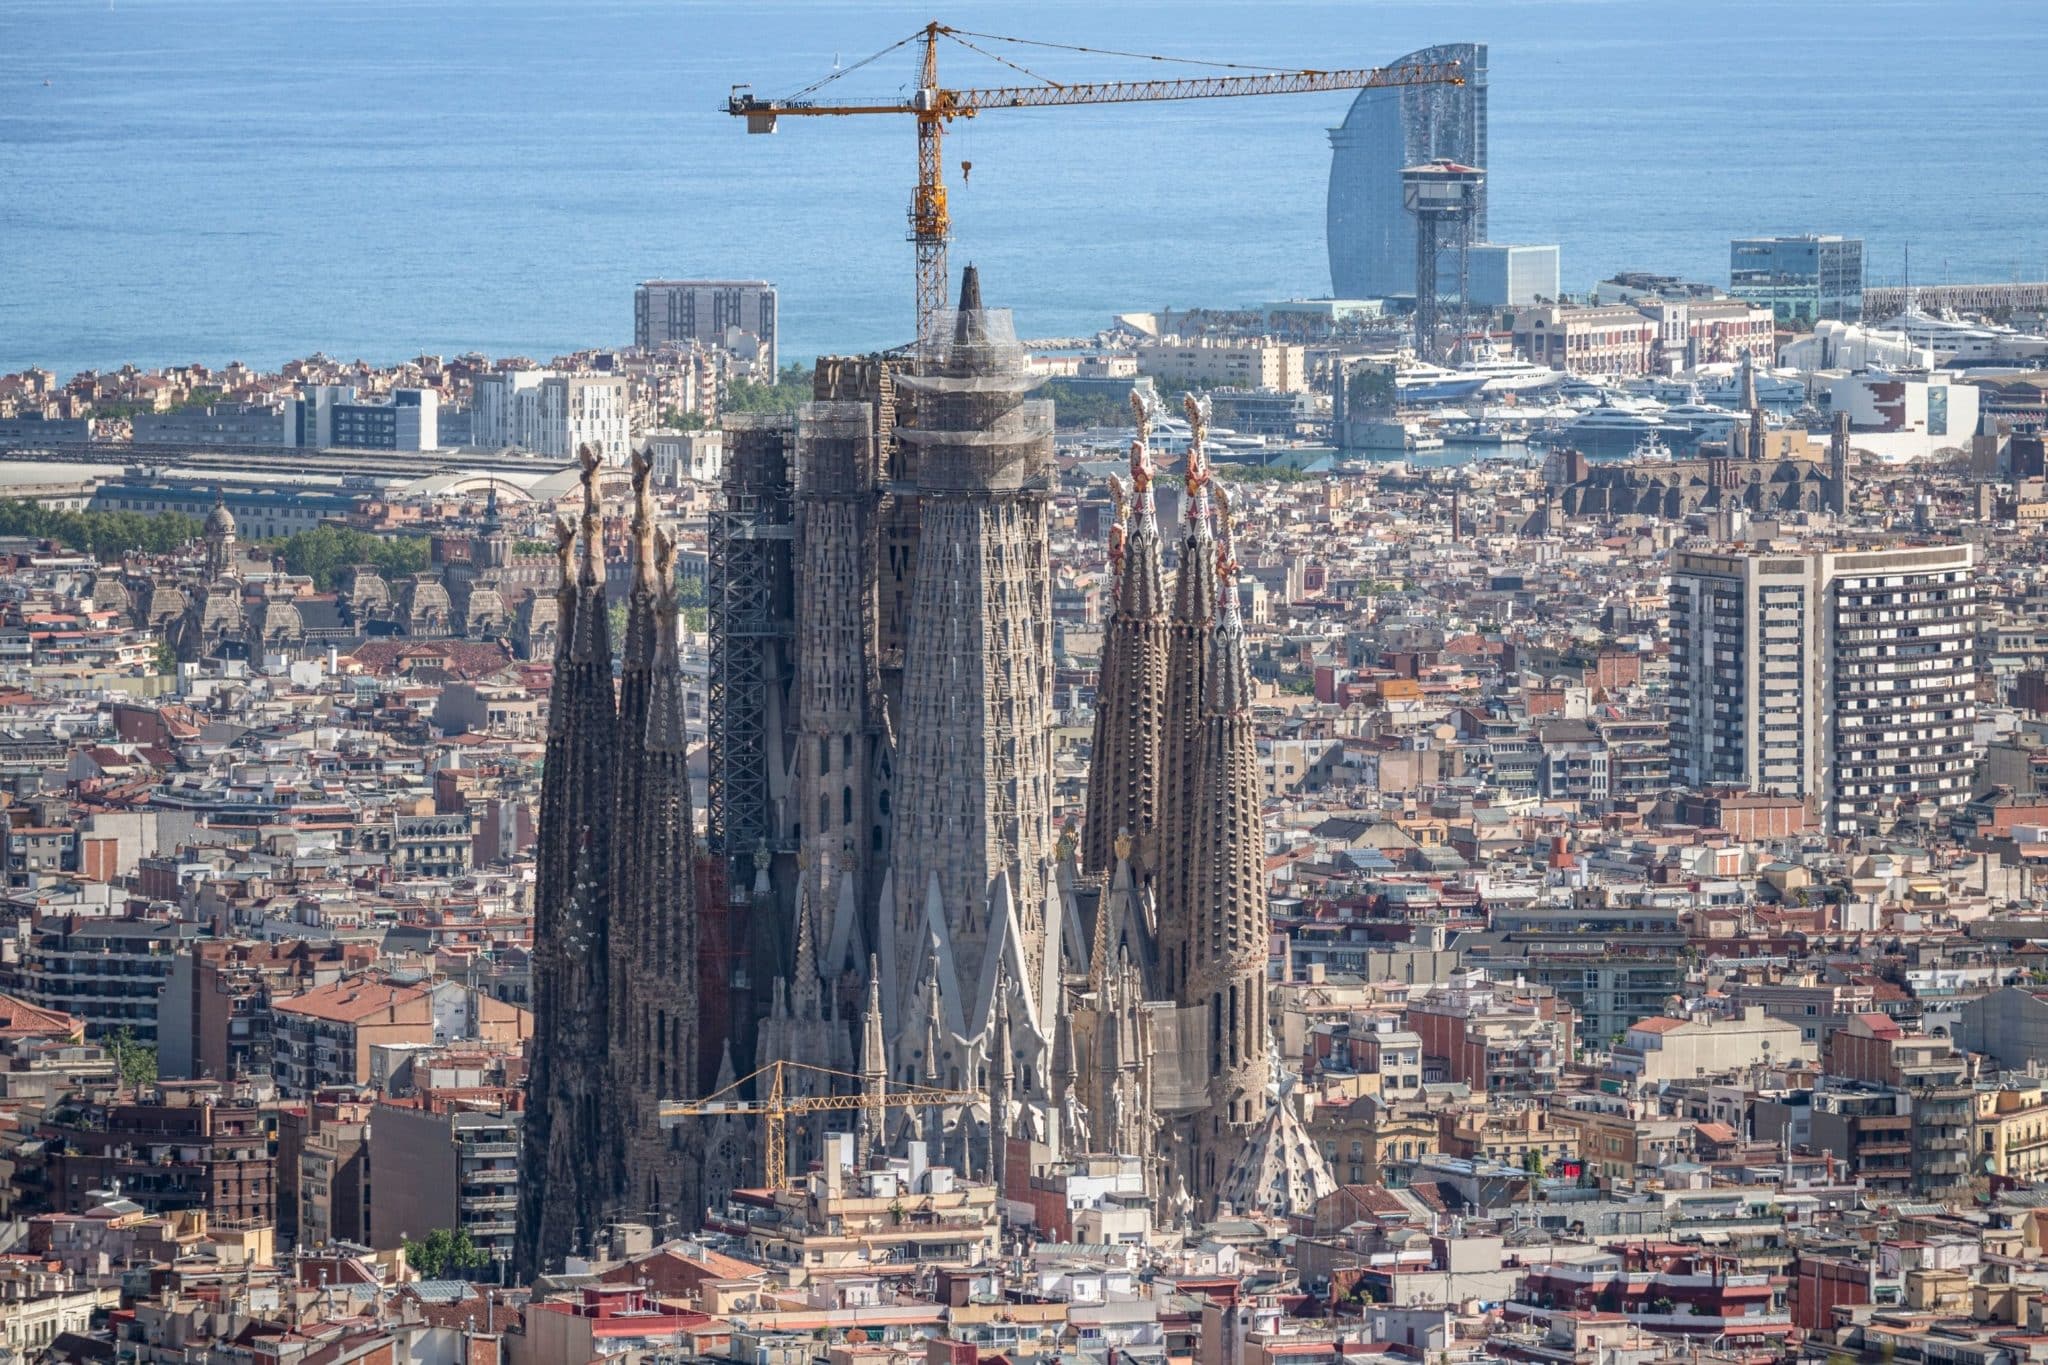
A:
1957, 342
1613, 430
1503, 373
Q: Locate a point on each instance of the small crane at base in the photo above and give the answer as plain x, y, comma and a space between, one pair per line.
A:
777, 1105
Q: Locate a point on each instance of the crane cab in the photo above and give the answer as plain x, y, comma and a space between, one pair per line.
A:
741, 103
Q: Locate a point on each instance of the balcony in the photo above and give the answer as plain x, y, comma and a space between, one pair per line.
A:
484, 1149
491, 1175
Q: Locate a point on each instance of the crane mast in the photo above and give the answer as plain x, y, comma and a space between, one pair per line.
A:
933, 106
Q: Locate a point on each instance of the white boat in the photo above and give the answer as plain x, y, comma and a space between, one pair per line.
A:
1585, 391
1503, 373
1723, 387
1614, 429
1957, 342
1418, 382
1706, 421
1661, 388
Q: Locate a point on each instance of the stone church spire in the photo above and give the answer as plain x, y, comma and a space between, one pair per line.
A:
1228, 915
1181, 793
564, 1194
1001, 1093
874, 1068
654, 932
1130, 694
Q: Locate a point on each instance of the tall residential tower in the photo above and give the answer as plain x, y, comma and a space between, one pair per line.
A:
1845, 677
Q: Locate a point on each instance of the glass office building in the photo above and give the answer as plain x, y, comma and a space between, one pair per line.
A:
1371, 237
1799, 278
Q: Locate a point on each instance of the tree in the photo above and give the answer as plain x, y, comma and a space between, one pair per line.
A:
442, 1253
166, 658
320, 553
790, 391
106, 535
323, 552
135, 1061
1086, 405
693, 599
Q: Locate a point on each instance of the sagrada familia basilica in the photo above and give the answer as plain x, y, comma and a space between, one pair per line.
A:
881, 829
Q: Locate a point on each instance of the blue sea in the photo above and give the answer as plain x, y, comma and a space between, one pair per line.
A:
377, 178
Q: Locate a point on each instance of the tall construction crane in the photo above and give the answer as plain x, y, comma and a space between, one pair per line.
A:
934, 106
777, 1105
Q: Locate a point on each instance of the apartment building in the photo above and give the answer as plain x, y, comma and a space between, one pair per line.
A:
334, 1176
1706, 1044
324, 1037
553, 414
1843, 677
1815, 1007
179, 1145
108, 972
452, 1167
1492, 1037
1933, 1082
1244, 365
2012, 1129
214, 1015
735, 315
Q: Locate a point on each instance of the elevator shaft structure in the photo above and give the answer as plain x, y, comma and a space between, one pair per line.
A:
1444, 197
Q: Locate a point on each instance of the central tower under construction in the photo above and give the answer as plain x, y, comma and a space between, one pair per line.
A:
970, 872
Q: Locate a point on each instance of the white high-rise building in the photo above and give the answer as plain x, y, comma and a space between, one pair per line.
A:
1845, 677
737, 315
553, 414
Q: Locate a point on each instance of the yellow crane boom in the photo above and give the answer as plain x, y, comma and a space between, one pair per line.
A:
776, 1104
933, 106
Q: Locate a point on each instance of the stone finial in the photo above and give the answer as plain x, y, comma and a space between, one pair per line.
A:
565, 543
1119, 524
643, 520
593, 515
1197, 410
1226, 540
665, 608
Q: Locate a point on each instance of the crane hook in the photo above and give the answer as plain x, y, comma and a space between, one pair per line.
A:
966, 170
